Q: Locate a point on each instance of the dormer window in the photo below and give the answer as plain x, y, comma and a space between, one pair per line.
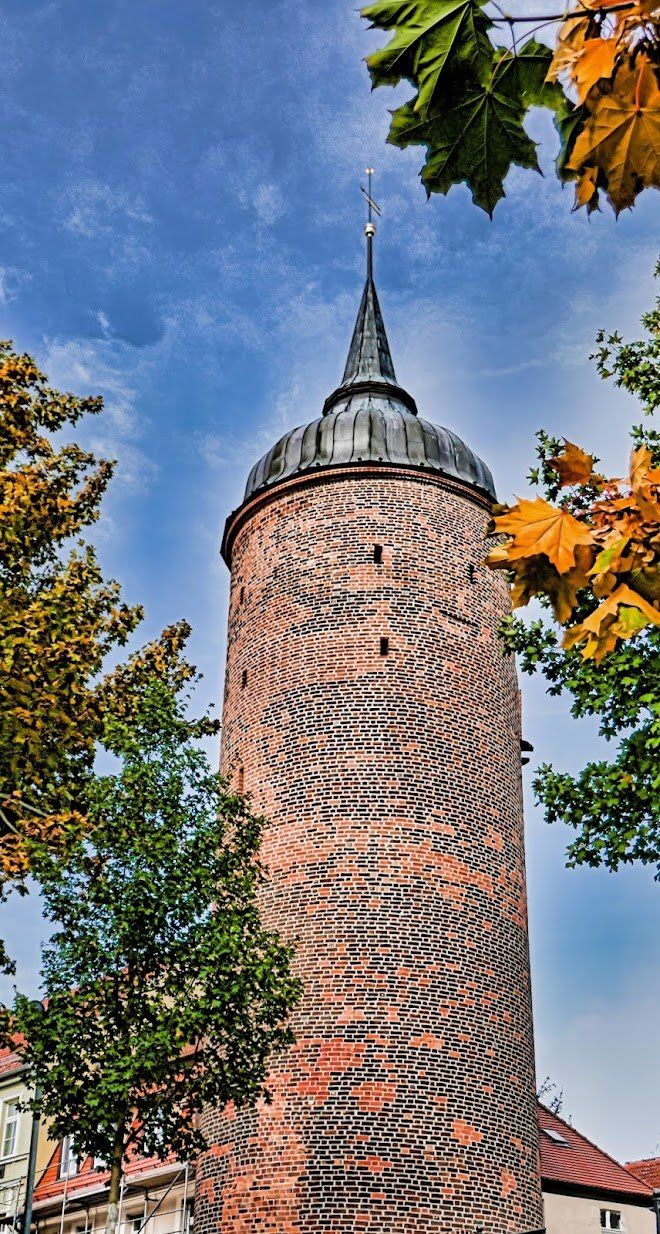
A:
69, 1160
556, 1137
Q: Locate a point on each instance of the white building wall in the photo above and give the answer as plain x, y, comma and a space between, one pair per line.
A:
577, 1215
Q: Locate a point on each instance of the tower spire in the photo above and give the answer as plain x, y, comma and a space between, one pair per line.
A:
369, 367
369, 356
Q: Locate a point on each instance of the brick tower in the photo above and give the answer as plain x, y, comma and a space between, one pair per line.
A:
372, 716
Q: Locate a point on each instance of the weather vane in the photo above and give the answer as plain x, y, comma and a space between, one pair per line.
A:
370, 229
373, 207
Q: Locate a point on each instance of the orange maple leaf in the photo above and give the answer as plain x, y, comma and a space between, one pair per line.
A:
620, 616
621, 138
536, 576
594, 61
645, 484
571, 39
538, 529
573, 465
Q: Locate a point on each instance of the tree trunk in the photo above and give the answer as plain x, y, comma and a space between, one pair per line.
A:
116, 1174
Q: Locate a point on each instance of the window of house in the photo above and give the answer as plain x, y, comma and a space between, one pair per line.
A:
10, 1129
135, 1223
69, 1160
610, 1219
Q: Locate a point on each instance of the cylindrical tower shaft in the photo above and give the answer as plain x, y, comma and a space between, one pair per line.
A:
371, 714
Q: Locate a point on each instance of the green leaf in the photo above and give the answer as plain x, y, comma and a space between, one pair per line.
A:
476, 137
432, 38
569, 122
524, 74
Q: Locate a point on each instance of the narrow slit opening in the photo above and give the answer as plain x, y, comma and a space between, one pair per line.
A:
244, 678
378, 554
384, 646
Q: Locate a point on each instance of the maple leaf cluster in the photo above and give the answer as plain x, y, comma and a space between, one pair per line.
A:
59, 618
606, 656
608, 58
612, 549
473, 96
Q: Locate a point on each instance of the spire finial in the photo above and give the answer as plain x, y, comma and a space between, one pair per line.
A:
370, 229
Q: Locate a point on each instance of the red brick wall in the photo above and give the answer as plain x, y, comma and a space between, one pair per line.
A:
396, 861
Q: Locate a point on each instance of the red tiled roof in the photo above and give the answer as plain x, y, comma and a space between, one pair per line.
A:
648, 1170
51, 1186
9, 1060
582, 1165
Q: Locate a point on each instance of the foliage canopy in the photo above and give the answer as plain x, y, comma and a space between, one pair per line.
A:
590, 552
59, 618
164, 990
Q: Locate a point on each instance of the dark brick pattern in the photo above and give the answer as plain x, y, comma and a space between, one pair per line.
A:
396, 861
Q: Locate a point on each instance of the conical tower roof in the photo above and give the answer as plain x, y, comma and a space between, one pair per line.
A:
370, 418
369, 366
369, 356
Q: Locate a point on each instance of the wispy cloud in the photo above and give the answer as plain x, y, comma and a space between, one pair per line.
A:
97, 367
91, 208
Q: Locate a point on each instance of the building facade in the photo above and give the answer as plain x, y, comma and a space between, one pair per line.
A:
15, 1135
370, 713
71, 1195
585, 1191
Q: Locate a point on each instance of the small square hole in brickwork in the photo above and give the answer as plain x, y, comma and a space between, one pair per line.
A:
378, 554
244, 678
384, 646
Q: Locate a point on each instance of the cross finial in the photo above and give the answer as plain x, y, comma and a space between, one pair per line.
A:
370, 229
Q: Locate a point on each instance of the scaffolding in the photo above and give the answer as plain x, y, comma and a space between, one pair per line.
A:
12, 1193
90, 1204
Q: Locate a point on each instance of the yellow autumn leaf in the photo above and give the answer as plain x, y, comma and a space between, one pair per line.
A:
621, 615
538, 528
647, 583
643, 480
573, 465
571, 38
535, 576
610, 557
621, 138
594, 61
586, 189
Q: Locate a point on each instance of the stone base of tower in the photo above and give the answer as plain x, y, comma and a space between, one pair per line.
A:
375, 721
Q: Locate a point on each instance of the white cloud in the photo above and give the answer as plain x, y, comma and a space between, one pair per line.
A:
91, 208
10, 282
92, 366
269, 203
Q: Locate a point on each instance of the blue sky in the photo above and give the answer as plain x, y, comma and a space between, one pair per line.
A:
180, 228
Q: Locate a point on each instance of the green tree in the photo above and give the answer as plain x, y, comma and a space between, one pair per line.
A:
59, 618
164, 990
605, 650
